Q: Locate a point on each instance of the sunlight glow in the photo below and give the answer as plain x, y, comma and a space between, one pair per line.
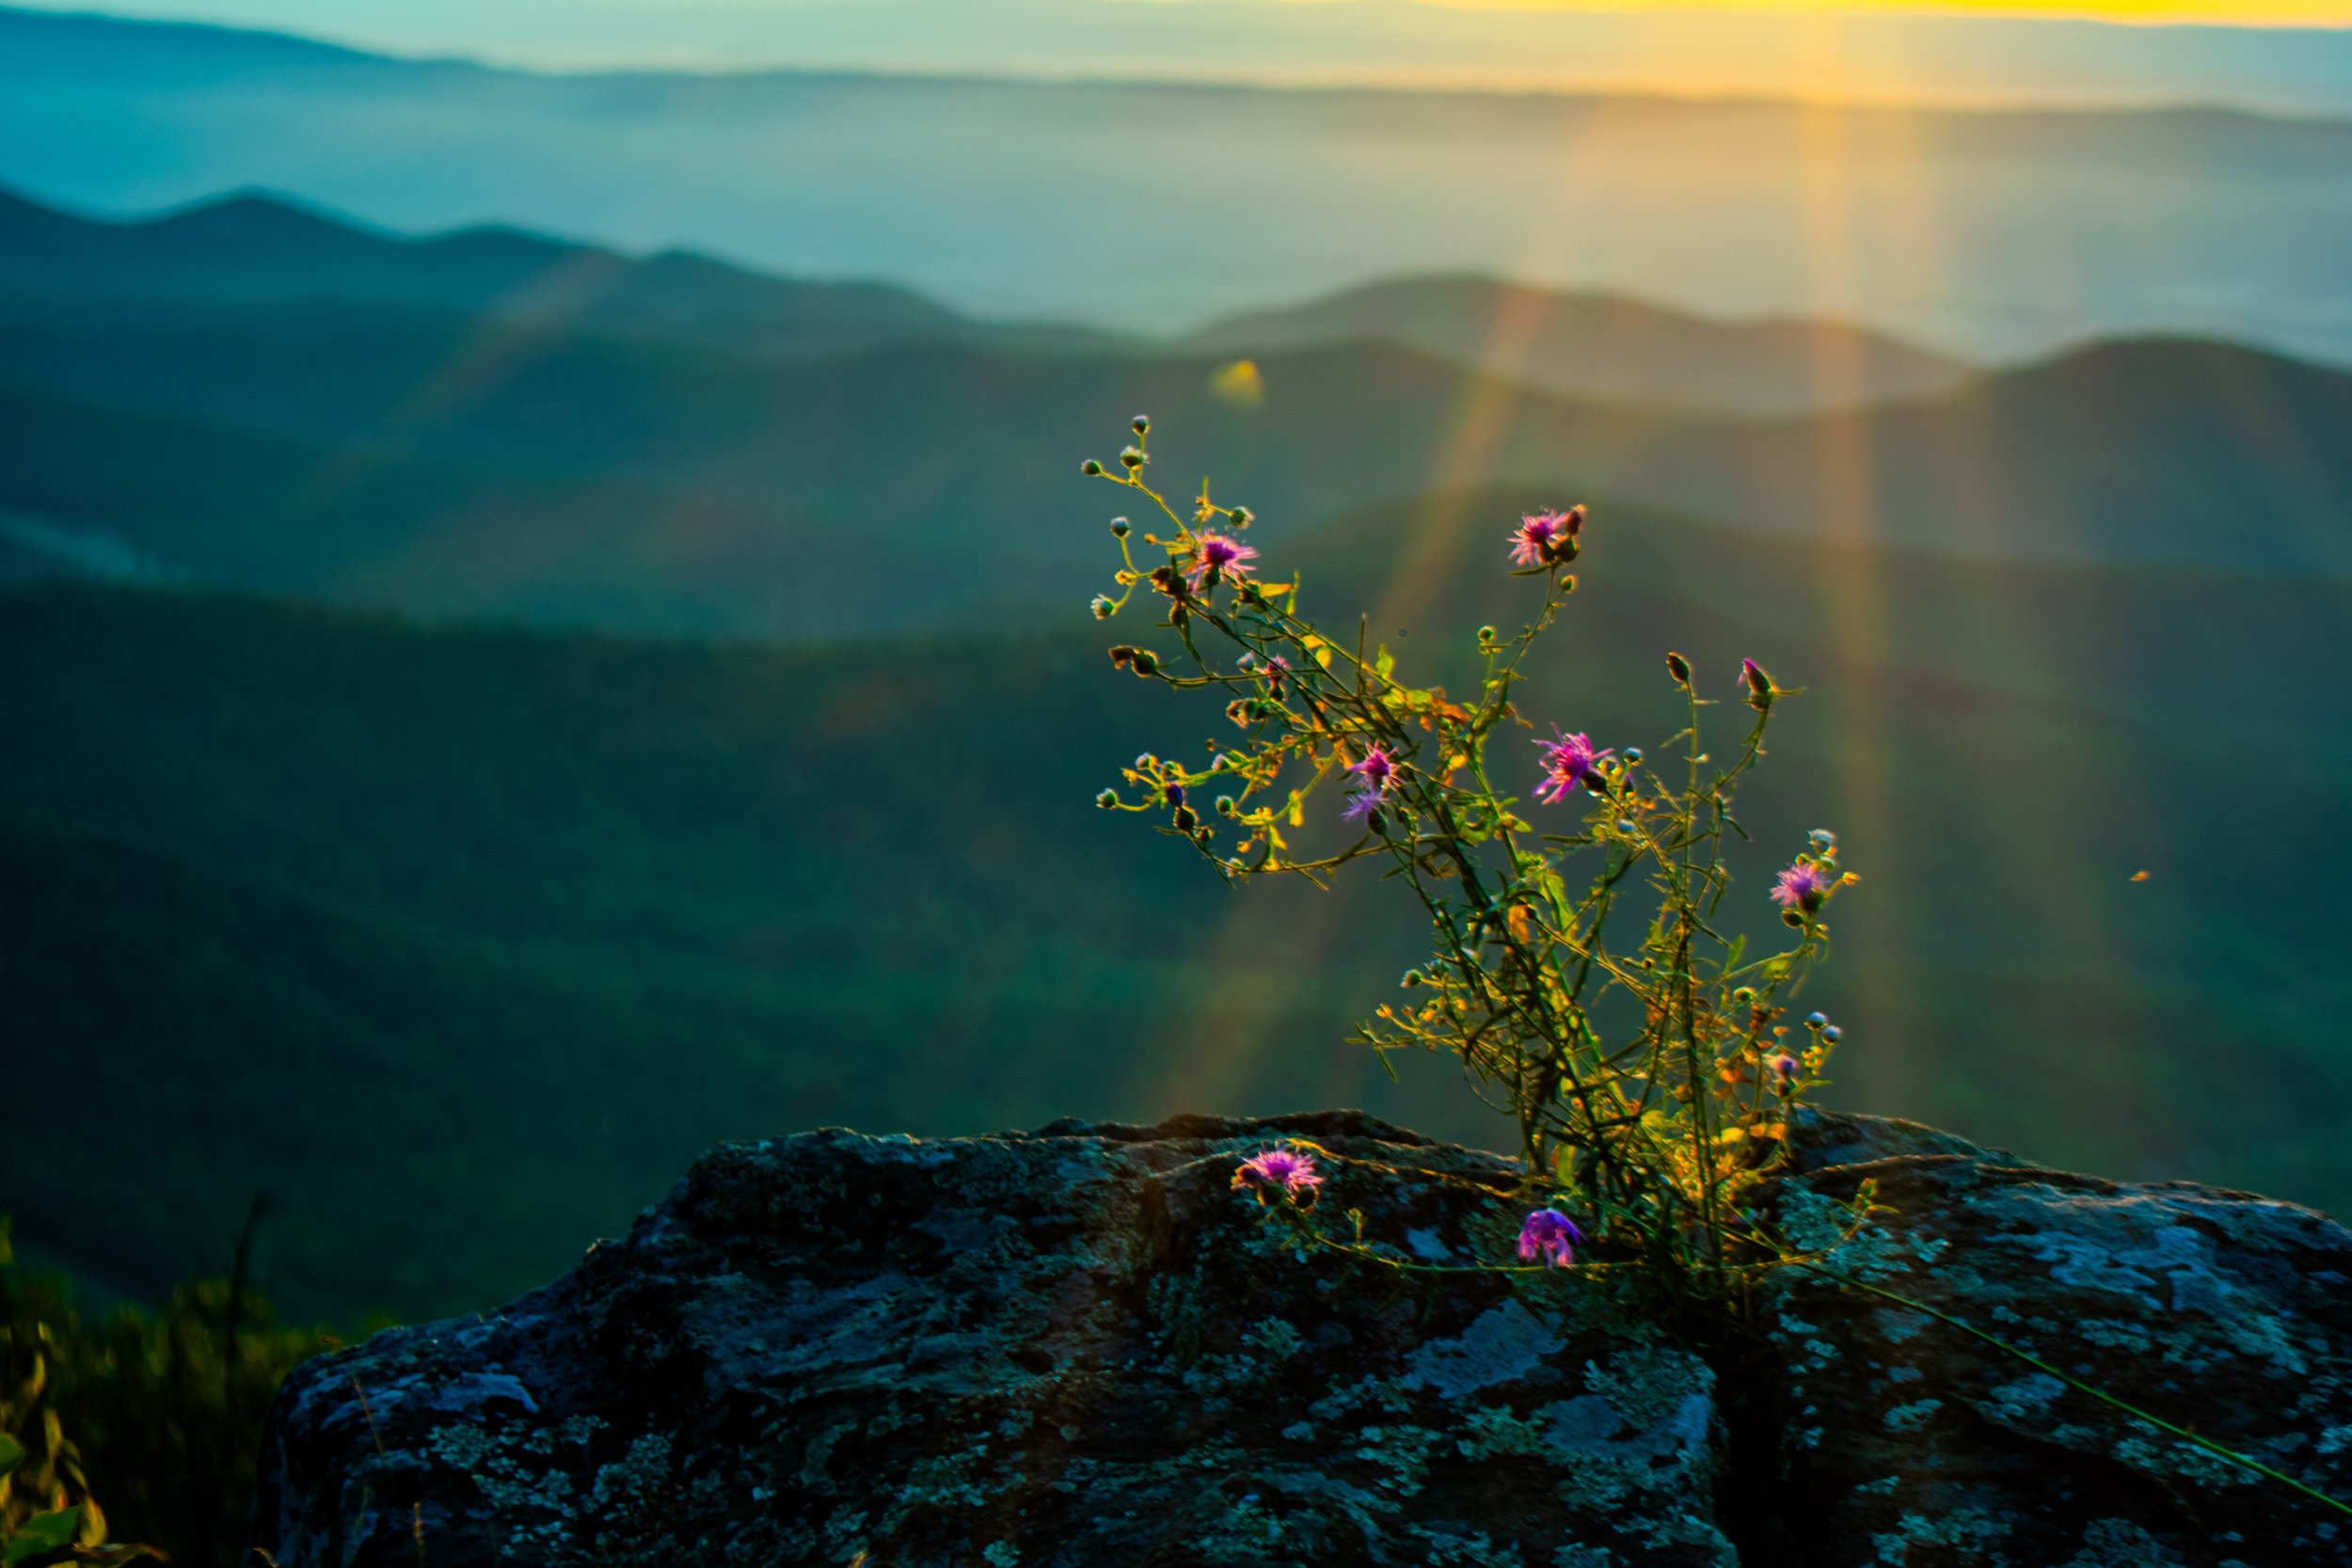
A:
2226, 13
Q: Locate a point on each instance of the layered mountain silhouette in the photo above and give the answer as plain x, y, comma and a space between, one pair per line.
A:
411, 424
1993, 233
1605, 346
252, 248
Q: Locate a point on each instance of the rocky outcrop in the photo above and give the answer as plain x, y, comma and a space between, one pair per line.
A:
1081, 1347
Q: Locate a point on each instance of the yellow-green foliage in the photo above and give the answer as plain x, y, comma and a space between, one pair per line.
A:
158, 1413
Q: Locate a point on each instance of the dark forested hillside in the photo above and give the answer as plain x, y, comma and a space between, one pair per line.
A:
534, 916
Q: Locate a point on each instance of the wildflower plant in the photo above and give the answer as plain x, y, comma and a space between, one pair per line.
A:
1586, 971
1588, 967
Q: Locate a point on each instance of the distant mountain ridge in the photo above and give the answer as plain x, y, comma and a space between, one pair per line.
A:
252, 248
1152, 206
1606, 346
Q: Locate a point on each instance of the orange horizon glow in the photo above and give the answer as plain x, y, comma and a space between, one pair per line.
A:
2220, 14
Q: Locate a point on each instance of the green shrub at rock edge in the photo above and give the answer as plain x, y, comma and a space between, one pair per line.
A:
158, 1413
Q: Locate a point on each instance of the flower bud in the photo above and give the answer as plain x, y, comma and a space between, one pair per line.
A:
1413, 977
1759, 685
1132, 457
1141, 424
1146, 662
1832, 1034
1175, 793
1186, 820
1108, 799
1102, 607
1486, 637
1242, 516
1633, 756
1091, 468
1680, 668
1119, 527
1225, 805
1817, 1021
1824, 838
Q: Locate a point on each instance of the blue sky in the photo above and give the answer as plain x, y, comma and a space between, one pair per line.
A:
1936, 57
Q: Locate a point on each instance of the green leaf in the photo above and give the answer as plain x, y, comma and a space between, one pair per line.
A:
1384, 661
42, 1533
11, 1453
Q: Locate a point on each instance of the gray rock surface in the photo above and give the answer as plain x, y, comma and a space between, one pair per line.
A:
1081, 1347
1902, 1442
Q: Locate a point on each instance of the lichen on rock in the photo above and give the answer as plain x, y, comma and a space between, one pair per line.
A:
1080, 1347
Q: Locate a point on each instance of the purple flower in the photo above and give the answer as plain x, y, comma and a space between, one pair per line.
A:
1551, 1235
1534, 537
1289, 1169
1361, 805
1785, 1067
1802, 886
1567, 759
1538, 540
1215, 555
1175, 793
1378, 770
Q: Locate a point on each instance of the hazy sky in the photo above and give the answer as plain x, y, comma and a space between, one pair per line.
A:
1964, 51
